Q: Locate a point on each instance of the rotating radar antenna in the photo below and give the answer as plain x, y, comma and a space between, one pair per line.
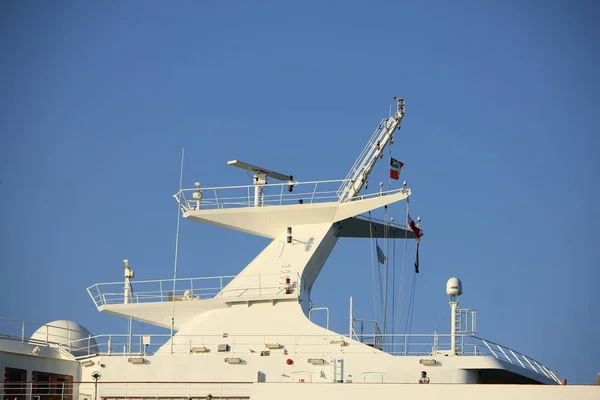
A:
260, 178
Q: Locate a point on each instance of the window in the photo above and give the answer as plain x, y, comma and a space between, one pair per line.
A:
14, 384
48, 386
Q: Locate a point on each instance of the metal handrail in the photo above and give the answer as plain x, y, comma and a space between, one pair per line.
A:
23, 331
399, 344
303, 193
31, 390
156, 291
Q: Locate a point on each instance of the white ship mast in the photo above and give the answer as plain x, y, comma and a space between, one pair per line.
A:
241, 337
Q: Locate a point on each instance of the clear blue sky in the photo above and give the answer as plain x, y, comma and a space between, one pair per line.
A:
500, 143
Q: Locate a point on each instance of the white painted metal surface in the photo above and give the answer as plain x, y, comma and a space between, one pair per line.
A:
249, 335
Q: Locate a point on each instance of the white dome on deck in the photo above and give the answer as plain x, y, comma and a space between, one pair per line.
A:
69, 334
454, 287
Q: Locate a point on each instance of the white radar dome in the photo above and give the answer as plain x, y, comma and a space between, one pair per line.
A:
72, 336
454, 287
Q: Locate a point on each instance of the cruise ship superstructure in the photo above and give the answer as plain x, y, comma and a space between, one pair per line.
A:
250, 336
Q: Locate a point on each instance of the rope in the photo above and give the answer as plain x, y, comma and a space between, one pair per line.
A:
401, 288
373, 267
393, 289
386, 268
411, 305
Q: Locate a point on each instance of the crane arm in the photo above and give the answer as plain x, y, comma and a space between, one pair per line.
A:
357, 177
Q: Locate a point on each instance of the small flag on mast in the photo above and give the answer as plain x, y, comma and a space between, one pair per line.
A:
395, 167
417, 259
414, 228
380, 256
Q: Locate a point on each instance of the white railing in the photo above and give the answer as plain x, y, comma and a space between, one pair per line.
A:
187, 289
47, 334
277, 194
505, 354
401, 345
425, 345
29, 390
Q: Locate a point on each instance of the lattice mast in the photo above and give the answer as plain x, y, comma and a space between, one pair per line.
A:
384, 134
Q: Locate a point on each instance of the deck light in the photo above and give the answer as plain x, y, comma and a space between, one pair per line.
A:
199, 349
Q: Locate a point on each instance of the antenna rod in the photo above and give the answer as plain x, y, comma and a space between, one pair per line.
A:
176, 252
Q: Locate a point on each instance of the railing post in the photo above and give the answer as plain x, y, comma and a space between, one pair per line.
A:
314, 191
22, 331
281, 196
489, 348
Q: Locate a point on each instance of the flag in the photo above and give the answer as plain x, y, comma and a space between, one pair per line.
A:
414, 228
417, 259
380, 256
395, 167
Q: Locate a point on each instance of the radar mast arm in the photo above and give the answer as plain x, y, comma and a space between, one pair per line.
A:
357, 177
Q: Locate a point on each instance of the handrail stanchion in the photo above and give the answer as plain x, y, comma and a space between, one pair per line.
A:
489, 348
507, 358
538, 365
281, 196
530, 364
216, 197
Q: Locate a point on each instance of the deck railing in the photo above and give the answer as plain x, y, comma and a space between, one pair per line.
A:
29, 390
423, 345
42, 334
187, 289
277, 194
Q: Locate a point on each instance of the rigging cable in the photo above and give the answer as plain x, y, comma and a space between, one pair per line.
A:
386, 226
373, 267
393, 286
411, 305
386, 269
401, 287
176, 251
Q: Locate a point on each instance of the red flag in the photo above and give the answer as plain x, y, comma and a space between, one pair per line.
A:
395, 167
414, 228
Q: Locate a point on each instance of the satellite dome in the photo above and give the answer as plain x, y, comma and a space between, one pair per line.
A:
454, 287
69, 334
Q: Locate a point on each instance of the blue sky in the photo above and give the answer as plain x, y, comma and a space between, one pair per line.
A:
499, 142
